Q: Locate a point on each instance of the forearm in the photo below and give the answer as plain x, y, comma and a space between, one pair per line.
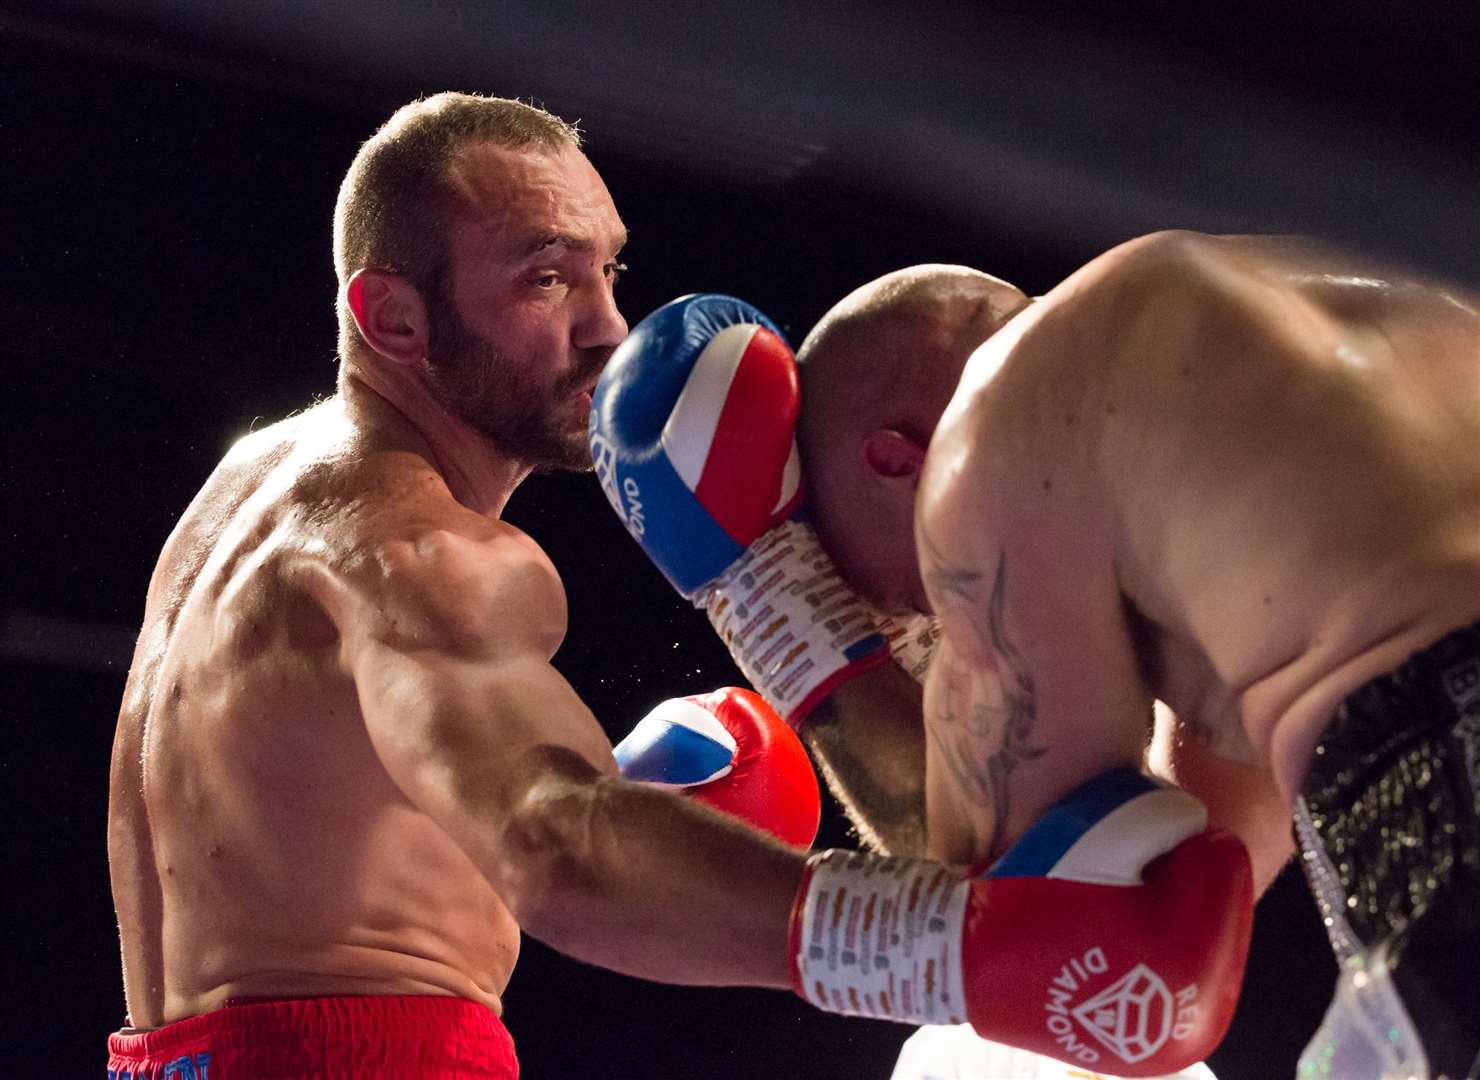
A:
868, 740
1240, 797
647, 883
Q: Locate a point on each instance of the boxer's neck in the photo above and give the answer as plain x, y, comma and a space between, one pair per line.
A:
478, 476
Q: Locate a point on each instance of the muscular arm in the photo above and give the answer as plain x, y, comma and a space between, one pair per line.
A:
447, 636
1035, 687
982, 709
868, 740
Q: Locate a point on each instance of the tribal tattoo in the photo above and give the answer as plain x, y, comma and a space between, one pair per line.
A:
982, 720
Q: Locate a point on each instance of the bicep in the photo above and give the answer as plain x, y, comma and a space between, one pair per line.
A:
1036, 687
447, 643
463, 736
979, 730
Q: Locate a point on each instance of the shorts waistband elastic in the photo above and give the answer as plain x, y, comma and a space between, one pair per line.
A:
255, 1024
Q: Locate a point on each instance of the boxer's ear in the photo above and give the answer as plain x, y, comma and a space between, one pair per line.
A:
390, 314
893, 456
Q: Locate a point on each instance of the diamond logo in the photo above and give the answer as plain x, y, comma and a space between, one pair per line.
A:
1132, 1017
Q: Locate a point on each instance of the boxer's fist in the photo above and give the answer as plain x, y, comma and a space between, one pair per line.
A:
692, 427
692, 435
1112, 936
729, 750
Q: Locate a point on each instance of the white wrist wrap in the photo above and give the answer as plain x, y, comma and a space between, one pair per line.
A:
881, 938
912, 641
789, 620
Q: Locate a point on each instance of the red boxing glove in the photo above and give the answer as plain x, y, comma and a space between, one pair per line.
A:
1112, 936
729, 750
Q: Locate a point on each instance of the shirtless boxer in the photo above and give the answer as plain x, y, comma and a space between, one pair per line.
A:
1239, 475
1068, 944
346, 774
344, 770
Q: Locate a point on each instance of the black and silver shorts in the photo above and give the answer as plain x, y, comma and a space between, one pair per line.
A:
1389, 827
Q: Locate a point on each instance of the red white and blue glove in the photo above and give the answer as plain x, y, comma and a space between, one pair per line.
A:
729, 750
1112, 936
692, 435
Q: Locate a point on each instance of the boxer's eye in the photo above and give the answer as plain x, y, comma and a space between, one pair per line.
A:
614, 271
546, 281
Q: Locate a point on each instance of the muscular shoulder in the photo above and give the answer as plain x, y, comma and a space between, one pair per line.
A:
1148, 296
1053, 357
472, 590
1027, 420
1113, 345
1209, 301
1169, 262
421, 570
1018, 460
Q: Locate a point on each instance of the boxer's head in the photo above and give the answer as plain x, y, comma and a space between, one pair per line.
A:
475, 245
876, 374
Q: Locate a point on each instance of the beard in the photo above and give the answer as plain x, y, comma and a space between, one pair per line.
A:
525, 420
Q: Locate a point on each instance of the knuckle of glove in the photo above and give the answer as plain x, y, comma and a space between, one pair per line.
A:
691, 433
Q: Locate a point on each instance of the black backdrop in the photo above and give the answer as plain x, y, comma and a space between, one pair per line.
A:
167, 285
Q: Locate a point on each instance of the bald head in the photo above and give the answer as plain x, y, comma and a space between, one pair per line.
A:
890, 353
876, 373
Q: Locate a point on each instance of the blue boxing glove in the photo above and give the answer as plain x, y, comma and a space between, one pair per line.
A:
692, 435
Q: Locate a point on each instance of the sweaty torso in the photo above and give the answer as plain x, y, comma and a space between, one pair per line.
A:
1301, 510
1239, 476
258, 848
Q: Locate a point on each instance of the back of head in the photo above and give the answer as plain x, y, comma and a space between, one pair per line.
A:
890, 353
876, 374
393, 199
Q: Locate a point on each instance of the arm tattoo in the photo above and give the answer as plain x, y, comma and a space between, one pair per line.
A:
978, 710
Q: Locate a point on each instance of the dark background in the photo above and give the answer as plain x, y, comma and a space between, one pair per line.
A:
168, 177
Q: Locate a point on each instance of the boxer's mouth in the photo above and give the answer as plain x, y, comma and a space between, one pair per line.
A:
585, 386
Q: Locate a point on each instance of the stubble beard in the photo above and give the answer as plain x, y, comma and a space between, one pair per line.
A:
473, 379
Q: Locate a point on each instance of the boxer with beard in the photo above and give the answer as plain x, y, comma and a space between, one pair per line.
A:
345, 772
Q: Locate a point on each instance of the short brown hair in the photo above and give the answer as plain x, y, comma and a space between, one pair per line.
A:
389, 213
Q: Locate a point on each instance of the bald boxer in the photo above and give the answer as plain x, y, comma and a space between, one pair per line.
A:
1236, 474
345, 772
1111, 933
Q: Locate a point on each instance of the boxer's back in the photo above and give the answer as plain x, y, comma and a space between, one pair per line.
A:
1271, 448
257, 846
1302, 510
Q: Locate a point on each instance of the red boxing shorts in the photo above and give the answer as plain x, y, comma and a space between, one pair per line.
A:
415, 1037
